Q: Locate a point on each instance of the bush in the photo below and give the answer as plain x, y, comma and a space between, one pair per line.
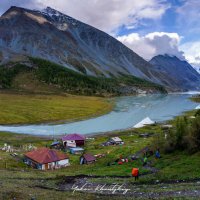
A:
169, 145
194, 136
181, 132
197, 113
185, 136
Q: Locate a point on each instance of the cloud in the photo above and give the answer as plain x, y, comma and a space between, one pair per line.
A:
192, 52
152, 44
105, 15
31, 4
138, 44
188, 16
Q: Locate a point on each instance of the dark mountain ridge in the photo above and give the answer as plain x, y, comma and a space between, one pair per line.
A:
178, 72
53, 36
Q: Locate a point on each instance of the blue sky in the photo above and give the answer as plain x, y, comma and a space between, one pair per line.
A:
148, 27
167, 22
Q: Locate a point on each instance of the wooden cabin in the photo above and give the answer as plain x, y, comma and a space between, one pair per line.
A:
73, 140
87, 159
116, 141
45, 158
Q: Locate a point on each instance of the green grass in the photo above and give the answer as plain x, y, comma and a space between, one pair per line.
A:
21, 108
132, 144
176, 166
17, 175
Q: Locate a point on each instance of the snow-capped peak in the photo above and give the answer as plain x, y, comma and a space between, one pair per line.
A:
50, 12
58, 17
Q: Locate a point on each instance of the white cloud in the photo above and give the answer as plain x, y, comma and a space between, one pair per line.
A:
103, 14
153, 44
188, 16
192, 52
6, 4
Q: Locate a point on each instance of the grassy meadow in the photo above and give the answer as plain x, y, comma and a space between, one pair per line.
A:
31, 105
172, 165
24, 182
32, 108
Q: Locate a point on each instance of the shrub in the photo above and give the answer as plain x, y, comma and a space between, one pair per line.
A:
185, 136
194, 136
197, 113
181, 132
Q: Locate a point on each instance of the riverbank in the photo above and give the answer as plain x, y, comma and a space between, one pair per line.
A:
196, 98
23, 182
37, 108
127, 112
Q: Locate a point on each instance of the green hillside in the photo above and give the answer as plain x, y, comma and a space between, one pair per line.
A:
52, 77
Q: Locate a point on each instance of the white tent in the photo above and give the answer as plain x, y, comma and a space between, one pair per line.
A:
146, 121
198, 107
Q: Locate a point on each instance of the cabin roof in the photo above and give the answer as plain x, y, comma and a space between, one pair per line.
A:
74, 136
45, 155
89, 157
116, 139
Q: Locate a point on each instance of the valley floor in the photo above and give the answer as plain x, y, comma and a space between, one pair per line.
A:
175, 175
23, 108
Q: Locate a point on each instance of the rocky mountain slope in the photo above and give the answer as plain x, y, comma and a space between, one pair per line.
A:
56, 37
178, 74
196, 67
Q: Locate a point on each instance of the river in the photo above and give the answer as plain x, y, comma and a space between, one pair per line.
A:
127, 112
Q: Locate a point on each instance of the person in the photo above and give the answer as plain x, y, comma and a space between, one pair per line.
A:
144, 153
157, 155
150, 152
135, 173
144, 161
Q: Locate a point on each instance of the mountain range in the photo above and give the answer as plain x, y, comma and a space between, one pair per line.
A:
56, 37
181, 73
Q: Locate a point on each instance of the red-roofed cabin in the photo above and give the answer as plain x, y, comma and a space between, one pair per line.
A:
73, 140
45, 158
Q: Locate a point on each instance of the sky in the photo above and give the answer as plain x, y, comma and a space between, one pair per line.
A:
148, 27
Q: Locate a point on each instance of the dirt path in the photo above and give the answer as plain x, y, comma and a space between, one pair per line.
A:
152, 190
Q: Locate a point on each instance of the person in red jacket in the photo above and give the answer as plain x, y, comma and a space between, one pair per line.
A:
135, 173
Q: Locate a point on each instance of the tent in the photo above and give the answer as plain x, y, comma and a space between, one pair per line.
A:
198, 107
146, 121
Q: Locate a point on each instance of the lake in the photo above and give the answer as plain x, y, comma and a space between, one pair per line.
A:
127, 112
